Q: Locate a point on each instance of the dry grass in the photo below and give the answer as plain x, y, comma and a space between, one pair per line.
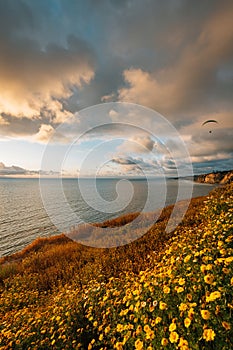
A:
172, 289
57, 260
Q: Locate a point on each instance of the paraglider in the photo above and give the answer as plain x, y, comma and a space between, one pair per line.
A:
210, 121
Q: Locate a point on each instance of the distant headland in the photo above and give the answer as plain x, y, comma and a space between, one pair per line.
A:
216, 177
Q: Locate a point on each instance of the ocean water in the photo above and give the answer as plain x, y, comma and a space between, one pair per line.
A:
23, 216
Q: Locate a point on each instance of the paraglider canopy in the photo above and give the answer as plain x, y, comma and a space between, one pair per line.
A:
210, 121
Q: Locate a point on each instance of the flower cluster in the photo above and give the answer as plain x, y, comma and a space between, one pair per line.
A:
182, 301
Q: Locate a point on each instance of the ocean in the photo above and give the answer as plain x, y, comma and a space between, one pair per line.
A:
23, 216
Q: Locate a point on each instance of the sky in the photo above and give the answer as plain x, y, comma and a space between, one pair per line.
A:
59, 58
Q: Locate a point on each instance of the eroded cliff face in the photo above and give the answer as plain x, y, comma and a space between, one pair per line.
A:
221, 177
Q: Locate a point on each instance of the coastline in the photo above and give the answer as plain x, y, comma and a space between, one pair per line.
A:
43, 228
213, 178
60, 287
40, 242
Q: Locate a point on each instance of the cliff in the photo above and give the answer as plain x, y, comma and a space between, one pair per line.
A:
220, 177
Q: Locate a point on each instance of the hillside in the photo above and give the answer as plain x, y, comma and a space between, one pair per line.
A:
219, 177
170, 291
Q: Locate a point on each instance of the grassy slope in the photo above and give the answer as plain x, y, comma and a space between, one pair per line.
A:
155, 291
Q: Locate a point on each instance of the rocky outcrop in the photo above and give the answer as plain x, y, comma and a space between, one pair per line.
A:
220, 177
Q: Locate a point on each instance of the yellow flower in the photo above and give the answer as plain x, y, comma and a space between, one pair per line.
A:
225, 270
209, 279
209, 267
153, 323
183, 342
107, 329
139, 329
187, 322
150, 335
181, 281
208, 334
166, 290
119, 327
203, 268
95, 324
180, 289
164, 342
162, 305
205, 314
226, 325
101, 337
119, 346
158, 319
213, 296
228, 260
187, 258
147, 328
222, 251
172, 327
231, 281
174, 337
138, 344
183, 307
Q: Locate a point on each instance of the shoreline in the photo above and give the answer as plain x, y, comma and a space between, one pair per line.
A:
114, 219
61, 287
121, 220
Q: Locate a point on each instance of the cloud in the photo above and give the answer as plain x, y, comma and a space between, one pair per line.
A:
137, 165
17, 171
45, 133
37, 77
215, 146
124, 161
109, 98
34, 83
142, 89
3, 121
193, 78
137, 144
175, 57
213, 165
11, 170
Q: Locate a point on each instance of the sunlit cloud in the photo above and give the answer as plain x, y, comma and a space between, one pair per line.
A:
56, 60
